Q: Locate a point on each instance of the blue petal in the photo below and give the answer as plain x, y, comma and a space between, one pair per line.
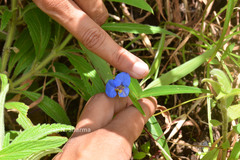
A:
110, 88
124, 78
114, 83
124, 93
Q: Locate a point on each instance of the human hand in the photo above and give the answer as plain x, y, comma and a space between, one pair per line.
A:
82, 19
110, 138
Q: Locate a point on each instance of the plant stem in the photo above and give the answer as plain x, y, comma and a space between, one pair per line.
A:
10, 36
65, 42
35, 70
224, 125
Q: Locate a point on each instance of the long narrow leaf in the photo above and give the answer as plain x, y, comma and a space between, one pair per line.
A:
39, 28
4, 89
135, 28
156, 132
135, 88
181, 71
235, 152
136, 103
100, 65
157, 59
136, 3
87, 73
170, 89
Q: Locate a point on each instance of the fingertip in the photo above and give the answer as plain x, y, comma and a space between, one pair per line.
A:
139, 70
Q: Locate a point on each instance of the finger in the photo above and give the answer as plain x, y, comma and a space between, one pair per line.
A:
129, 122
68, 14
95, 9
99, 111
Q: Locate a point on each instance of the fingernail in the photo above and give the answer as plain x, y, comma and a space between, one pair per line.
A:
140, 69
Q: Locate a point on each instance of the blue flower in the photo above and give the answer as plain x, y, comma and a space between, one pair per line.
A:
119, 85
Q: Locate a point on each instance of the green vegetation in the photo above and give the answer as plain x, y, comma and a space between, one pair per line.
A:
191, 47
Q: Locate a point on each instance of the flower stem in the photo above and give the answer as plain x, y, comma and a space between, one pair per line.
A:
224, 125
10, 36
35, 70
38, 68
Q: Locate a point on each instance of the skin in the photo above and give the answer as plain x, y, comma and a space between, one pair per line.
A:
82, 18
109, 138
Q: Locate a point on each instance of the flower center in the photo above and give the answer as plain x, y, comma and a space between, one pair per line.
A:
119, 89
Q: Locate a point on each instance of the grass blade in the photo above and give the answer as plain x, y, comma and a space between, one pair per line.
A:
135, 88
170, 89
136, 3
181, 71
135, 28
135, 102
156, 132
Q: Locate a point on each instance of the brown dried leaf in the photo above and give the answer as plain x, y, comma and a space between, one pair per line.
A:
167, 116
180, 120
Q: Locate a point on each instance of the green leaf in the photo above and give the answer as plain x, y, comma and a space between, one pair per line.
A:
226, 145
211, 154
169, 89
41, 154
26, 53
145, 147
6, 16
228, 51
156, 132
135, 28
222, 79
233, 112
181, 71
135, 88
135, 102
22, 109
100, 65
40, 29
87, 74
73, 82
215, 85
26, 148
215, 122
6, 140
40, 131
50, 107
157, 59
9, 137
139, 155
235, 152
136, 3
237, 128
4, 89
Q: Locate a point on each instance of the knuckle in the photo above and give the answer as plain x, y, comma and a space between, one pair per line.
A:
101, 18
118, 57
55, 8
47, 4
93, 38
